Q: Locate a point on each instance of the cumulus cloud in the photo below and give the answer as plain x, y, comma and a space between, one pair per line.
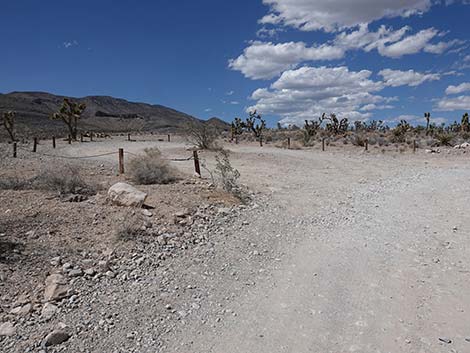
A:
334, 15
266, 60
414, 119
410, 45
307, 92
463, 87
395, 78
456, 103
263, 60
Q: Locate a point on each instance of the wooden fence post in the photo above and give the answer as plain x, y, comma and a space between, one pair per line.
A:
35, 144
366, 144
81, 137
197, 167
414, 146
261, 141
70, 139
121, 161
14, 149
91, 136
128, 137
323, 144
169, 138
53, 141
288, 143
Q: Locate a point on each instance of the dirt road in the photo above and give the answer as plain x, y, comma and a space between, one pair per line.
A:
352, 252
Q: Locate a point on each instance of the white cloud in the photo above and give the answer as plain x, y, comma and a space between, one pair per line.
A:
230, 93
69, 44
333, 15
263, 60
369, 107
234, 102
266, 60
395, 78
463, 87
410, 45
208, 110
456, 103
415, 120
307, 92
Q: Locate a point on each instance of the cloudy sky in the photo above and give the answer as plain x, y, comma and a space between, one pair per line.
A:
289, 59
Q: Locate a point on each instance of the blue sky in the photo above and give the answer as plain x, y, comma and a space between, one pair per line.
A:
290, 59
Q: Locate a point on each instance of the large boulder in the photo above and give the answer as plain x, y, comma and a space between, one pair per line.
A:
123, 194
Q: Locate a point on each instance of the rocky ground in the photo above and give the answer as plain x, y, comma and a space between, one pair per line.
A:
337, 251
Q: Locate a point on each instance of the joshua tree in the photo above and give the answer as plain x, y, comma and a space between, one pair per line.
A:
70, 112
335, 125
256, 124
465, 125
237, 128
9, 124
428, 121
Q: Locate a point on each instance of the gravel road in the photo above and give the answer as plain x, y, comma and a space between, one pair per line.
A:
349, 252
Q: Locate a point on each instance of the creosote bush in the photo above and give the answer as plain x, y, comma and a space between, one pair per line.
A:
64, 179
151, 168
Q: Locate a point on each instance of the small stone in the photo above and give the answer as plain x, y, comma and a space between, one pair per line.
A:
7, 329
22, 310
147, 213
56, 287
48, 311
56, 337
76, 273
445, 340
90, 271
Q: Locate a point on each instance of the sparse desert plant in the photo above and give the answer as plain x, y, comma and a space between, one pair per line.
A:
70, 112
64, 179
444, 139
9, 124
427, 116
14, 182
237, 128
226, 176
335, 125
256, 124
465, 125
399, 133
151, 168
129, 227
201, 135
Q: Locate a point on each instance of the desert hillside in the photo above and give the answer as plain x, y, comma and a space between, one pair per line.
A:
103, 113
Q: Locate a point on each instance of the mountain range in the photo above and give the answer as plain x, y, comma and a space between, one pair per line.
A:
102, 114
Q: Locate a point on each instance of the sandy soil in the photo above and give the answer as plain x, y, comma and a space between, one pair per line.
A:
347, 251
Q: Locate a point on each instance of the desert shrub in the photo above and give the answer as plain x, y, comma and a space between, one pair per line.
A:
226, 177
201, 135
359, 140
444, 139
64, 179
14, 183
151, 168
128, 228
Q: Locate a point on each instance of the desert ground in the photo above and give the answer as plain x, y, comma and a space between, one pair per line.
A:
337, 251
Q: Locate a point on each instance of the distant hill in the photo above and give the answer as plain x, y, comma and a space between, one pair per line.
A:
103, 114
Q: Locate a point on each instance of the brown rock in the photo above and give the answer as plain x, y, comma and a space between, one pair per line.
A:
56, 287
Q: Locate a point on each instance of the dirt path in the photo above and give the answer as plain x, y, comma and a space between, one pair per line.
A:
354, 253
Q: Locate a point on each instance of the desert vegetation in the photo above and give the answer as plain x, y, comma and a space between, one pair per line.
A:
151, 168
70, 113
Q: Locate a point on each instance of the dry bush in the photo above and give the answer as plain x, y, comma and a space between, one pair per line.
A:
226, 177
203, 136
129, 227
64, 179
151, 168
14, 183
